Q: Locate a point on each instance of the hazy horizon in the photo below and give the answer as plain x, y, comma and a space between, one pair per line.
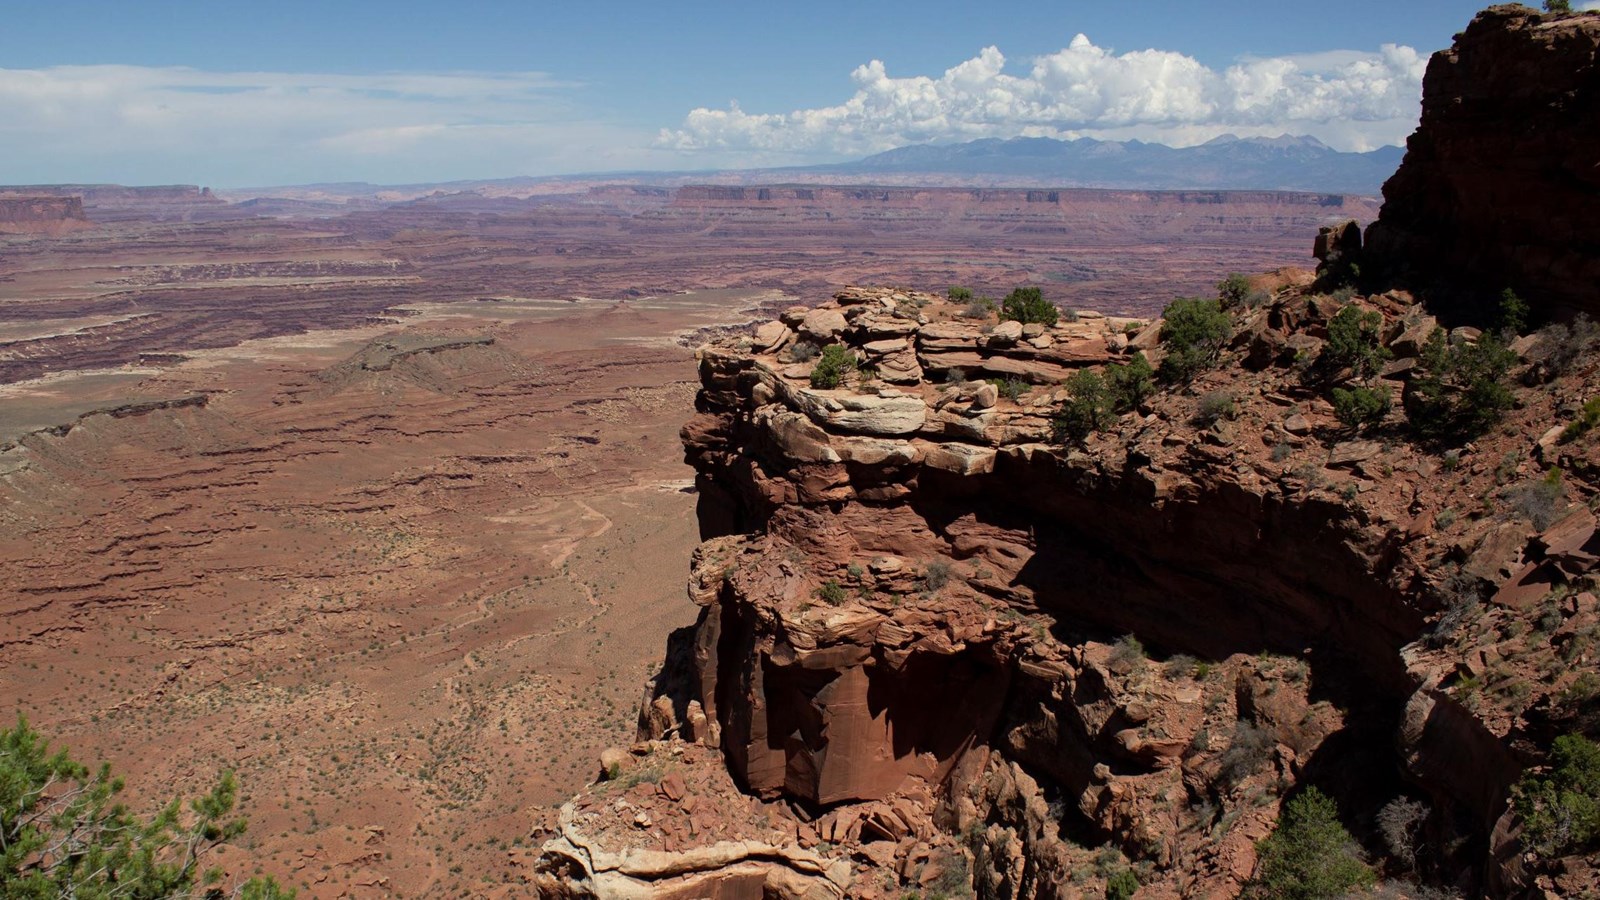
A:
396, 93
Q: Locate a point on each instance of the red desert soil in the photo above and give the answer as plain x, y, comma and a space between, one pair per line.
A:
341, 504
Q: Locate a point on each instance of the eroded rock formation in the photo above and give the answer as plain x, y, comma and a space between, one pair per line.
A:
1501, 182
912, 600
22, 214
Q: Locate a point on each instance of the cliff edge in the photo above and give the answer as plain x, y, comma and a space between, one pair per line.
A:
1500, 185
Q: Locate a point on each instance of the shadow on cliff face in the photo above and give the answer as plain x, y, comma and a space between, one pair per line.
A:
1210, 575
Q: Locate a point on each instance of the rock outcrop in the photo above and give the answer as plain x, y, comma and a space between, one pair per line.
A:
22, 214
1501, 182
911, 602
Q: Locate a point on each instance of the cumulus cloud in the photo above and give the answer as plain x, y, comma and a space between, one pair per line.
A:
146, 124
1350, 99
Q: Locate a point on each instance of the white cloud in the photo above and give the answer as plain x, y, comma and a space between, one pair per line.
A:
1589, 6
1350, 99
140, 125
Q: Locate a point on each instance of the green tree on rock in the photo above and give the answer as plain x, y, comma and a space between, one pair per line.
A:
1193, 333
64, 834
1561, 809
1310, 856
1027, 305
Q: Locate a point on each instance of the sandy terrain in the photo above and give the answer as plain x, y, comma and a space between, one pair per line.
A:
408, 593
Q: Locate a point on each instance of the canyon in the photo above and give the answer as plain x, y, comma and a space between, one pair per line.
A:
386, 503
382, 507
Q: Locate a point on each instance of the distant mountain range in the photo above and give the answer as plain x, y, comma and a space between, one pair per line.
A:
1286, 163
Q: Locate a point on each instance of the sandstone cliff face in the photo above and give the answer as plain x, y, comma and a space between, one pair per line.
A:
41, 215
912, 601
1501, 182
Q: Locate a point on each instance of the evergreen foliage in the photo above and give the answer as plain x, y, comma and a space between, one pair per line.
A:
63, 832
1561, 810
1310, 856
835, 363
1193, 333
1027, 305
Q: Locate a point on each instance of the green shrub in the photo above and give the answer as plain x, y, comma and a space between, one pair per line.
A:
1087, 411
1513, 313
1586, 421
1558, 6
1462, 391
1538, 501
960, 294
1127, 654
1130, 383
1310, 856
1359, 406
1354, 343
1010, 388
835, 363
832, 593
1233, 291
1027, 305
1193, 333
1122, 885
1561, 810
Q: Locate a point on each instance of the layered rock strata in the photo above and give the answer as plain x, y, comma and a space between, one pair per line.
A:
911, 601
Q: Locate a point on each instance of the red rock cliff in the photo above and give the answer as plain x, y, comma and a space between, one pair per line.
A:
41, 215
1500, 186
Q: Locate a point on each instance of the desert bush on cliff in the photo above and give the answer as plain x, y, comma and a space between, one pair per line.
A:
1193, 332
1462, 391
1557, 6
1122, 885
1539, 501
835, 363
1233, 290
64, 834
960, 294
1310, 856
1359, 406
1087, 411
1354, 342
1588, 419
1027, 305
1560, 810
1562, 345
1512, 318
1400, 823
1130, 383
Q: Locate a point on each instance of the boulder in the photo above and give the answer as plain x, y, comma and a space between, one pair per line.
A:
823, 325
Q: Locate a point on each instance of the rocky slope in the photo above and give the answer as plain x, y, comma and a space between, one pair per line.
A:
1500, 182
909, 653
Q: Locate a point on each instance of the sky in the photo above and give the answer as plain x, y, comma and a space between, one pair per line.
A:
288, 92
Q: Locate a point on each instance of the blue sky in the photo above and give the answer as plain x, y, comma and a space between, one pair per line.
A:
235, 94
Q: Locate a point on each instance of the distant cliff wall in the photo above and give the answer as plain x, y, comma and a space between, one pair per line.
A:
1500, 186
41, 215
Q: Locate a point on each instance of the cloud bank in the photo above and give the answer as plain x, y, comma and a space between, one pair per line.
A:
1351, 100
136, 124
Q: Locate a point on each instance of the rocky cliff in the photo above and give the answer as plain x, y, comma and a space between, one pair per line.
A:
933, 640
1501, 182
22, 214
949, 646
